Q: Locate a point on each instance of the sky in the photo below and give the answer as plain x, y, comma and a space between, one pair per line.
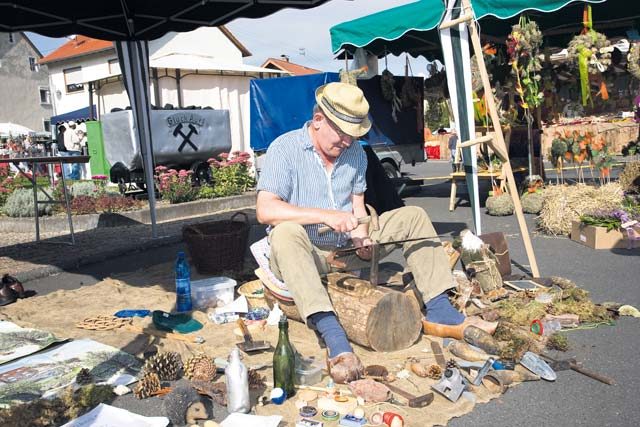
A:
303, 35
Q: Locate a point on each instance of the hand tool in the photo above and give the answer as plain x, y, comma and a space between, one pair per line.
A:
451, 385
325, 228
437, 353
535, 364
566, 364
408, 398
249, 345
483, 371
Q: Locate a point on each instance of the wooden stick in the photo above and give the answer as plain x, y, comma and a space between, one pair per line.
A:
481, 140
498, 144
454, 22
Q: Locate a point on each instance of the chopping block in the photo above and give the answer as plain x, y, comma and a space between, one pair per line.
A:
376, 317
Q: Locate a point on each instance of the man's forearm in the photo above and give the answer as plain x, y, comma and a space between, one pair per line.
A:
274, 212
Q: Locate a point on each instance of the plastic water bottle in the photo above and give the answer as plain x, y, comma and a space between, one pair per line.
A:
183, 284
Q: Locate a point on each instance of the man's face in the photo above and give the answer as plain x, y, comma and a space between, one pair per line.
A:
331, 140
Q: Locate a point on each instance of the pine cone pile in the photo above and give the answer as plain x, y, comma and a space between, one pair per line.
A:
147, 386
167, 365
84, 377
200, 368
451, 363
256, 381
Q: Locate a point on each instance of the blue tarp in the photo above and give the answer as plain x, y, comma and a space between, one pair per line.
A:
81, 114
282, 104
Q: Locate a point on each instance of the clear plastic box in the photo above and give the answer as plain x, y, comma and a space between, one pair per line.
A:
308, 371
212, 292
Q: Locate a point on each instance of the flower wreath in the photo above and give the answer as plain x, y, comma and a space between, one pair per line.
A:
600, 58
633, 60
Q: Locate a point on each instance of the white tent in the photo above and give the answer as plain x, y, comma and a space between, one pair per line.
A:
14, 129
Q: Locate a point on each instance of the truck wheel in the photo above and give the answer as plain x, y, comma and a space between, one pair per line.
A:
390, 170
201, 173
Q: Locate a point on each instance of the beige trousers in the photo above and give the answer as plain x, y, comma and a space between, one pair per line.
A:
299, 264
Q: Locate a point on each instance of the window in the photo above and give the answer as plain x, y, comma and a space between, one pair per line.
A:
45, 95
73, 79
114, 66
12, 39
33, 65
46, 125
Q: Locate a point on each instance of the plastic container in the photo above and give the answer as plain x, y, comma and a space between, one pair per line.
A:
212, 292
308, 371
545, 327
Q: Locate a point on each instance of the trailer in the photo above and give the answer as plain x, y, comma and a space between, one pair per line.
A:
182, 139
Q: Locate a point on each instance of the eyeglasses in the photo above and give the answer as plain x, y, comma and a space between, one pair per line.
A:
338, 131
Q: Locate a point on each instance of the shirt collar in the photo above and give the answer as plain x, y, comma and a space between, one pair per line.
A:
307, 144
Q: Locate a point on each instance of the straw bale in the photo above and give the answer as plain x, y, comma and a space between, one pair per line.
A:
563, 204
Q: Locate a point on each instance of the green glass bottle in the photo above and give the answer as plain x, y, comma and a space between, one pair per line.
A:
284, 362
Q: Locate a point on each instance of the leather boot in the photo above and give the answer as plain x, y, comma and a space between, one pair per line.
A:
14, 284
7, 295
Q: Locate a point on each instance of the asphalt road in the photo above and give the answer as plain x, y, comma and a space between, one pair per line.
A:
573, 400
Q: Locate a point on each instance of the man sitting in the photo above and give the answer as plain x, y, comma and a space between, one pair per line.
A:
316, 175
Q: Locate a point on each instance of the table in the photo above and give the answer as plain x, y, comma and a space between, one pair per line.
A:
496, 175
48, 160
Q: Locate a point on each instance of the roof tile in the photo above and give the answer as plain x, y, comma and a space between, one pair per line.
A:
79, 46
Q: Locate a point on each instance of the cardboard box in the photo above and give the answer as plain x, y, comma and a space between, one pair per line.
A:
597, 237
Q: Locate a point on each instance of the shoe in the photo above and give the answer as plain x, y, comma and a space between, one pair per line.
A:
14, 284
7, 295
345, 367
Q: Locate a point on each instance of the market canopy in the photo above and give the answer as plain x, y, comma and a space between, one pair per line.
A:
131, 23
408, 28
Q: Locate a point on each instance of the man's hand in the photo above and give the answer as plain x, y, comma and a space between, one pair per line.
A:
364, 247
341, 222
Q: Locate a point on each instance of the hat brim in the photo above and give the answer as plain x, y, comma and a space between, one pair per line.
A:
355, 130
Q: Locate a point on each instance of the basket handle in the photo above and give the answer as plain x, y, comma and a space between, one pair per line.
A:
246, 217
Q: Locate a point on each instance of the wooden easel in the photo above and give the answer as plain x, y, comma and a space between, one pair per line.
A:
496, 142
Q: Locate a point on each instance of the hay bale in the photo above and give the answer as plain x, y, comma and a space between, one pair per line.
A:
630, 177
532, 202
563, 204
501, 205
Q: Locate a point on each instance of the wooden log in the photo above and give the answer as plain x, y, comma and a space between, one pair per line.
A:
372, 316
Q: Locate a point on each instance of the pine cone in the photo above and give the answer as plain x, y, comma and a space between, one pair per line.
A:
256, 381
200, 368
167, 365
147, 386
434, 371
84, 377
451, 364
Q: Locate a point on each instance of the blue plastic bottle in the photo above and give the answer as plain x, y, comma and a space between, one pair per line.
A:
183, 284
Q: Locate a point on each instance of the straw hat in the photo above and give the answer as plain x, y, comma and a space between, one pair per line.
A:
346, 106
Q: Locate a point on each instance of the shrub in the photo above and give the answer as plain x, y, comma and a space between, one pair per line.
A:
115, 203
206, 192
82, 205
174, 186
20, 204
231, 174
83, 188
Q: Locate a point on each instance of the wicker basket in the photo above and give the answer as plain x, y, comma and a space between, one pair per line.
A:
217, 246
254, 293
288, 307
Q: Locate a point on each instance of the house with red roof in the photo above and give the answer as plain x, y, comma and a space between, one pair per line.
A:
288, 67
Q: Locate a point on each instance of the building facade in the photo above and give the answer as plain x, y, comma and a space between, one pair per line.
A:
25, 97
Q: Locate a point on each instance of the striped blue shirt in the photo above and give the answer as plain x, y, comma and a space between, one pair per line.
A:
294, 171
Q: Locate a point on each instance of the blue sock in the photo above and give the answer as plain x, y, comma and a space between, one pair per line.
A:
332, 333
440, 310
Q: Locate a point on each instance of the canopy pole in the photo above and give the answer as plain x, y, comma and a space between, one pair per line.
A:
498, 143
